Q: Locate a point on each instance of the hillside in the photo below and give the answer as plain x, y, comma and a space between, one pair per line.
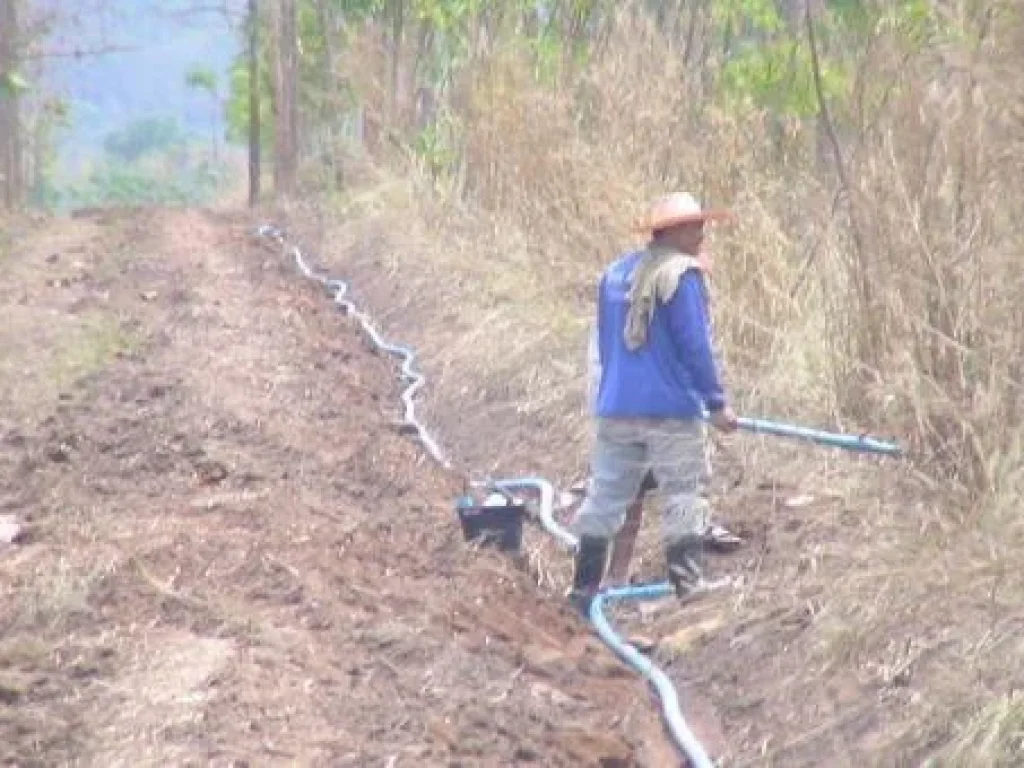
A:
152, 47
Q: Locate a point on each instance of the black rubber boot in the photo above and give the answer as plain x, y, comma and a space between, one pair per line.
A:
684, 564
591, 558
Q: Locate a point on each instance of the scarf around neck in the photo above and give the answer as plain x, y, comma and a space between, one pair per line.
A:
655, 278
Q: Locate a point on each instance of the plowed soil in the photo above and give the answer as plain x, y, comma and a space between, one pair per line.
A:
861, 588
230, 556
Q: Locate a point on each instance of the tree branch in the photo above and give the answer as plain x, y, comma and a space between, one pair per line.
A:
867, 338
79, 53
823, 111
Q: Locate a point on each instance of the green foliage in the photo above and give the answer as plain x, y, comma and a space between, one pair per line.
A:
768, 66
778, 76
548, 51
149, 161
115, 185
54, 119
202, 79
445, 17
160, 183
237, 113
436, 146
142, 137
852, 15
12, 84
747, 17
915, 21
58, 111
760, 59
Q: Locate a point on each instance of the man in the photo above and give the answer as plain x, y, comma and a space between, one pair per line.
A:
658, 375
716, 537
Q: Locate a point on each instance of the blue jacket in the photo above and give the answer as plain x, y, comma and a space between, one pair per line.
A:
674, 374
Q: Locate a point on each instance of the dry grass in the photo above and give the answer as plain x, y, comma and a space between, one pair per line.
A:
995, 735
891, 307
895, 314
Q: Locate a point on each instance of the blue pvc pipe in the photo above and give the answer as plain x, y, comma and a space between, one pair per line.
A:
860, 443
681, 733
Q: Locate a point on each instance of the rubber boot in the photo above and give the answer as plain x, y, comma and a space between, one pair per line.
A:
622, 547
684, 558
591, 558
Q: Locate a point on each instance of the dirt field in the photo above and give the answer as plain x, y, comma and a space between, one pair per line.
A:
230, 556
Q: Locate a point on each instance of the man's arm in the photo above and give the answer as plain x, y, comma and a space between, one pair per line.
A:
689, 319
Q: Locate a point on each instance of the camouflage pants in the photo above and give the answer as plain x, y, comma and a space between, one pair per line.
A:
625, 450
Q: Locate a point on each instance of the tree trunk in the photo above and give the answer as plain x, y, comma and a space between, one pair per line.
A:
11, 171
254, 103
286, 75
326, 17
397, 31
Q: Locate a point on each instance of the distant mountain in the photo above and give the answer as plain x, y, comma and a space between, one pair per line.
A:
164, 40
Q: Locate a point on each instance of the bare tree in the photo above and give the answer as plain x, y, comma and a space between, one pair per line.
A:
254, 103
11, 171
286, 80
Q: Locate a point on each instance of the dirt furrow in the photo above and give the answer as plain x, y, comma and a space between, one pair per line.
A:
235, 559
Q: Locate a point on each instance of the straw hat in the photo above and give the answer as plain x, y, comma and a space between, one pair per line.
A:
677, 208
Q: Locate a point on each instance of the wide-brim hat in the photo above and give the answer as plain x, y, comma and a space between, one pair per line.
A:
678, 208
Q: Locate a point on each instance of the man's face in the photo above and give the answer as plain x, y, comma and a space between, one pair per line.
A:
688, 238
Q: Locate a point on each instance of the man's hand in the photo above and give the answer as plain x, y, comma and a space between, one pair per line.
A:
724, 419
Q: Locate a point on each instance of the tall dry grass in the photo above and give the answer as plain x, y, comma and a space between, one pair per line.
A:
891, 306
